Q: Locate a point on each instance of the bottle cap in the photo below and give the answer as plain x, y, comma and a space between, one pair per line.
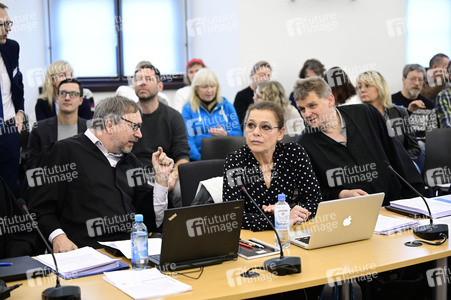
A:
139, 218
281, 197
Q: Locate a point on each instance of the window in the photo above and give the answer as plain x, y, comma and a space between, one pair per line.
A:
104, 39
428, 28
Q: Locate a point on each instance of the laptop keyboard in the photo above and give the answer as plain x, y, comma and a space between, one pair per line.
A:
304, 239
154, 257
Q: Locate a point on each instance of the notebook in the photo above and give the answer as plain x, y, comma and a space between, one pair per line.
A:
341, 221
23, 267
199, 235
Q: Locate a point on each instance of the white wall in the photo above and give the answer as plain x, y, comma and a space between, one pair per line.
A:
355, 35
230, 36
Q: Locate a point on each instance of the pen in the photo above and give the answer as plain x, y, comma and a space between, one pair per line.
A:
5, 264
245, 245
255, 244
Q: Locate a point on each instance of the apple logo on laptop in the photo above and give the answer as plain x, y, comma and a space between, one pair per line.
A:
347, 221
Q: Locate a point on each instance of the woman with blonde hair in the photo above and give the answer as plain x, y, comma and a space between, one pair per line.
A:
273, 91
46, 106
208, 113
373, 89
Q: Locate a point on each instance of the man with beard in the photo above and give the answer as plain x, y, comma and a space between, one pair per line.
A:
421, 110
163, 127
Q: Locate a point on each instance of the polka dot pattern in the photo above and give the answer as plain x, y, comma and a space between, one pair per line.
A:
291, 170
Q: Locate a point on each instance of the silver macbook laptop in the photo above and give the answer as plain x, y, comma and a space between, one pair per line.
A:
340, 221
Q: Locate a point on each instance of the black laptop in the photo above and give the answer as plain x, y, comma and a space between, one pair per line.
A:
198, 236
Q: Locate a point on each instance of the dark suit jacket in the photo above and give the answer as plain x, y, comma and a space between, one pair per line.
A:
92, 201
45, 133
10, 55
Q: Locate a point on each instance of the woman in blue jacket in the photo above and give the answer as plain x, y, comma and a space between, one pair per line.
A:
208, 113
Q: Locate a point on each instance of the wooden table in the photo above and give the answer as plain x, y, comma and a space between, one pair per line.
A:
363, 258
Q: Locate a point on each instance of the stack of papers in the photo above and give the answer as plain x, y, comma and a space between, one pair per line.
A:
154, 246
149, 283
85, 261
440, 206
387, 225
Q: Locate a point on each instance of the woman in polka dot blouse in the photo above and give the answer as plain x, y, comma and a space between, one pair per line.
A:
267, 167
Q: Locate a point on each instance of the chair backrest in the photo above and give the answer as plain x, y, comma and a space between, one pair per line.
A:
218, 147
437, 166
190, 174
287, 138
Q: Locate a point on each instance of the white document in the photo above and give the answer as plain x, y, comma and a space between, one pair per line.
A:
440, 206
388, 225
80, 262
149, 283
154, 246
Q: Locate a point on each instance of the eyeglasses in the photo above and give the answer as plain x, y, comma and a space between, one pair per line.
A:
415, 79
7, 24
264, 128
134, 126
72, 95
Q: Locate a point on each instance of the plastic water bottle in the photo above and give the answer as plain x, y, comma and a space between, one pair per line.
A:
282, 221
139, 237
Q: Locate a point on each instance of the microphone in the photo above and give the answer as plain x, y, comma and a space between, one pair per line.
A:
284, 265
68, 292
428, 232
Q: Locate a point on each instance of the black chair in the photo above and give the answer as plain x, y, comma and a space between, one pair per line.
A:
190, 174
218, 147
437, 165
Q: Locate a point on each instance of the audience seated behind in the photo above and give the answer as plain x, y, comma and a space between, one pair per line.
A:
342, 87
64, 125
89, 186
374, 90
348, 146
182, 95
261, 71
46, 105
208, 113
273, 91
162, 127
266, 167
